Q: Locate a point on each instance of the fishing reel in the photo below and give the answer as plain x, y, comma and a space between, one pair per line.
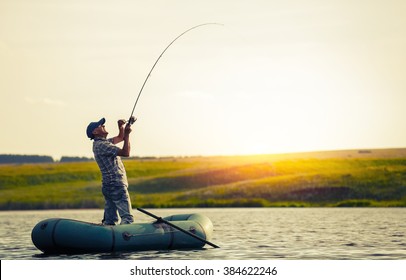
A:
132, 120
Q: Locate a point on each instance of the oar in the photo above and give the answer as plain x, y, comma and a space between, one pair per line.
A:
176, 227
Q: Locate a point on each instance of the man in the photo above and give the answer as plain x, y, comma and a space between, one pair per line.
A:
114, 178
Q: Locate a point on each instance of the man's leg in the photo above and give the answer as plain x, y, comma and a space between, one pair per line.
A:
110, 209
123, 205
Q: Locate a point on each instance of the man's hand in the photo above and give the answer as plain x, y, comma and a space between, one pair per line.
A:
121, 123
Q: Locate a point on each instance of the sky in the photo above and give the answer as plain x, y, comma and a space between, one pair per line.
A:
276, 77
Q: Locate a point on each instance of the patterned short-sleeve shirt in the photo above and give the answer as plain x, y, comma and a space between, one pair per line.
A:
110, 164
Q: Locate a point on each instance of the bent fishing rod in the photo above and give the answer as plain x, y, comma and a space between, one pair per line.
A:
131, 120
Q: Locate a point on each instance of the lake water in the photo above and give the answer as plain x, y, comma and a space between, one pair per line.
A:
244, 233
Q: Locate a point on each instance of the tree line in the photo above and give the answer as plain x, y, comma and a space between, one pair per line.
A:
19, 159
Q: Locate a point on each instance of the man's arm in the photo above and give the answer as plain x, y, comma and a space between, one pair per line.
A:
120, 136
125, 151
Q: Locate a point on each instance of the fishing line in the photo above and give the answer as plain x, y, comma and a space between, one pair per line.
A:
131, 120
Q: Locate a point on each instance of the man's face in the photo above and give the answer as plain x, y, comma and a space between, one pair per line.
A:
100, 131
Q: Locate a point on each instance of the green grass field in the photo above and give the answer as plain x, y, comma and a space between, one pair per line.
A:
373, 178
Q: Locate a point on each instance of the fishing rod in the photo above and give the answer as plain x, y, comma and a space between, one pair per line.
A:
131, 120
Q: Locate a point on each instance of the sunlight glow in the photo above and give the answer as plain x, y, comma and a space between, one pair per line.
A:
277, 77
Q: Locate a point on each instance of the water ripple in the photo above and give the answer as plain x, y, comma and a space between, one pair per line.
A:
251, 233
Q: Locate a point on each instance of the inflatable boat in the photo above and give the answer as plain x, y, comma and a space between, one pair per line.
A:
59, 235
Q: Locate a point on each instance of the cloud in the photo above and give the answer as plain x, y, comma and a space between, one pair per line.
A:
30, 100
54, 102
45, 101
198, 95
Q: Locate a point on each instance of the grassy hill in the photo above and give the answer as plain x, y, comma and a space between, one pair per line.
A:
337, 178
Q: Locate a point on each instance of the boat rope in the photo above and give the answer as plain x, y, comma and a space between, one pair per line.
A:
128, 236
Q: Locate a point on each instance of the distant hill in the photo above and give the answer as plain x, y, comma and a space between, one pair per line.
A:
356, 153
351, 178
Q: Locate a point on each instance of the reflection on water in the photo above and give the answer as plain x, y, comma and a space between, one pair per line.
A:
245, 233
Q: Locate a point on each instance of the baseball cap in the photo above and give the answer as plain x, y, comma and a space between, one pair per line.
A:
92, 126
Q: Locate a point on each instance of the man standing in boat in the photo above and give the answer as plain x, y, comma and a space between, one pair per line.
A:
114, 178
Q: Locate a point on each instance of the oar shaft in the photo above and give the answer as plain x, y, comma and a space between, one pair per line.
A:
176, 227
